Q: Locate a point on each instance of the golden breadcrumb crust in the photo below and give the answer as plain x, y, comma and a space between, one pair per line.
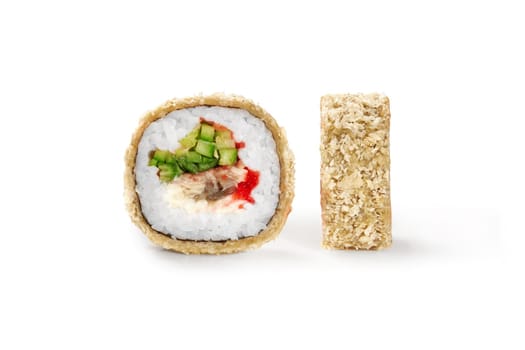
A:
286, 161
355, 171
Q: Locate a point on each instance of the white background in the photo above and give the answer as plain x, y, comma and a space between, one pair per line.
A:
74, 81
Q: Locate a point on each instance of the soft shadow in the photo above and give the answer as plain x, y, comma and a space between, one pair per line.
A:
304, 230
301, 234
400, 249
406, 244
268, 256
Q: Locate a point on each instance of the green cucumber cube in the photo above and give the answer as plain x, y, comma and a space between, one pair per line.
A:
179, 152
207, 132
170, 159
224, 142
228, 156
194, 157
207, 163
205, 148
190, 139
153, 162
186, 165
160, 155
224, 133
168, 172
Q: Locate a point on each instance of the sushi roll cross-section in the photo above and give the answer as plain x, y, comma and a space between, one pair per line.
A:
209, 175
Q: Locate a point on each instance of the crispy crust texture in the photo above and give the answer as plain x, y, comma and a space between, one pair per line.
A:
355, 171
286, 161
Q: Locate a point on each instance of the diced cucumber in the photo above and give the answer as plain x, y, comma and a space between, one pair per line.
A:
186, 165
224, 142
224, 139
207, 132
168, 172
160, 155
194, 157
170, 159
204, 167
153, 162
205, 148
190, 139
228, 156
166, 177
224, 133
207, 163
178, 170
181, 151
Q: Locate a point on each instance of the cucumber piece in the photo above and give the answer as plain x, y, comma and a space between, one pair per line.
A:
194, 157
179, 152
205, 148
224, 133
170, 159
190, 139
168, 172
224, 139
207, 132
166, 177
204, 166
228, 156
160, 155
153, 162
186, 165
207, 163
178, 170
224, 142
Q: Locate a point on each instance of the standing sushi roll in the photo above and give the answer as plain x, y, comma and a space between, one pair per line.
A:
209, 175
355, 171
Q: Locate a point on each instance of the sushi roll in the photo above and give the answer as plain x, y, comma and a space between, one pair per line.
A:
209, 175
355, 171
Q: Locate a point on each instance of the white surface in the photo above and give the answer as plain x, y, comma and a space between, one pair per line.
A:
74, 80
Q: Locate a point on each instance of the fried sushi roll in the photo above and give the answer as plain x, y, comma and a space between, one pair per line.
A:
209, 175
355, 171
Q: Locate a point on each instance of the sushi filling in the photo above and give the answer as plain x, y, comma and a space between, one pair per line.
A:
205, 172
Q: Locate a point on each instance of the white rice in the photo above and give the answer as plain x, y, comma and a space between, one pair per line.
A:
259, 154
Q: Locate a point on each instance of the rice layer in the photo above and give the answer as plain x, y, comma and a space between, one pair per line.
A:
258, 154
